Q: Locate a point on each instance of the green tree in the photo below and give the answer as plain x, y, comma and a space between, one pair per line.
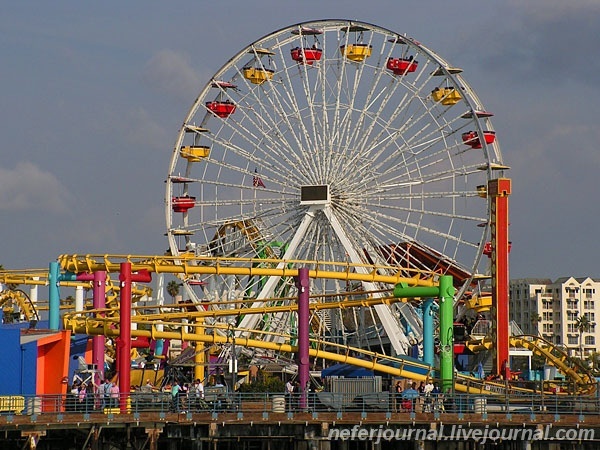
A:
535, 322
583, 325
173, 289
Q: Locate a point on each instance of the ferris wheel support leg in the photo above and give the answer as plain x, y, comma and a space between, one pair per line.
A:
428, 332
303, 333
446, 332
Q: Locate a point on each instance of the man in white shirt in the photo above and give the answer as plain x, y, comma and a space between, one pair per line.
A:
427, 394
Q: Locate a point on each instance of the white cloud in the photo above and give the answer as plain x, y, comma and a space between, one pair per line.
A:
173, 72
28, 187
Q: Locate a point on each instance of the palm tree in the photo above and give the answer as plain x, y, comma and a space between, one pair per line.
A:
535, 321
173, 289
583, 325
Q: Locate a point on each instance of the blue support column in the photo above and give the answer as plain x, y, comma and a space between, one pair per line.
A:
54, 296
428, 341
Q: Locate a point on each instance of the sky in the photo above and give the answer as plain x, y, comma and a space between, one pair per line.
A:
93, 95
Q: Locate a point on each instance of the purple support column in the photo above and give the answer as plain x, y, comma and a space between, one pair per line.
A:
303, 334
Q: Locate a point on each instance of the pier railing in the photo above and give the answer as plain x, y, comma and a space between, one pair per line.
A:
315, 402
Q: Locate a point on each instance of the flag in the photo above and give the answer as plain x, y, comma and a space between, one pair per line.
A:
256, 180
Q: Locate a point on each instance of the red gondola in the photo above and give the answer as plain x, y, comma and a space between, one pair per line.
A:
402, 66
183, 204
487, 248
222, 109
311, 54
472, 138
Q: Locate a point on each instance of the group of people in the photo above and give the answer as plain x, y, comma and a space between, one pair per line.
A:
186, 397
427, 397
86, 396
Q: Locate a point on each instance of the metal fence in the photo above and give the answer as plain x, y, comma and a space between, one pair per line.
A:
164, 402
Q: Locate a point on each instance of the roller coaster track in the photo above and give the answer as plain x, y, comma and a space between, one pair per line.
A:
38, 277
190, 264
172, 327
90, 322
579, 374
21, 300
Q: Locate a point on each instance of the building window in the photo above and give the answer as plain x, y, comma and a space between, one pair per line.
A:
590, 340
573, 340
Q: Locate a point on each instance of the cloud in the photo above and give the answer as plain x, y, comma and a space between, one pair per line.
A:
144, 131
172, 72
28, 187
541, 41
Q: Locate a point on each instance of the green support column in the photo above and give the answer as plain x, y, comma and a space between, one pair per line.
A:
446, 332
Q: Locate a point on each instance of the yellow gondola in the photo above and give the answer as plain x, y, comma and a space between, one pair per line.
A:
194, 153
258, 75
356, 52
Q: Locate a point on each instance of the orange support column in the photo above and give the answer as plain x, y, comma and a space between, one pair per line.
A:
499, 190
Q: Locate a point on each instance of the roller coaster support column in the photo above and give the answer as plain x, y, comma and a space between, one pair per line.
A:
54, 296
54, 279
428, 345
446, 332
445, 292
199, 360
303, 334
99, 298
124, 339
499, 190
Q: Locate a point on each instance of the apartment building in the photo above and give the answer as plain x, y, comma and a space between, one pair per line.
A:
552, 309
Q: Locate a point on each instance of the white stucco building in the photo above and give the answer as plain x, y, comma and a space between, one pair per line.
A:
551, 309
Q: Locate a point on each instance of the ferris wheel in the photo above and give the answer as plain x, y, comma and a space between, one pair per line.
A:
333, 140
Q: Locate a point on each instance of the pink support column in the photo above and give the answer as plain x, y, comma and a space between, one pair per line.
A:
303, 334
99, 299
124, 339
99, 342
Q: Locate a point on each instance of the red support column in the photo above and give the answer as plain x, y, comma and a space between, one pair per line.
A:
124, 339
499, 190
